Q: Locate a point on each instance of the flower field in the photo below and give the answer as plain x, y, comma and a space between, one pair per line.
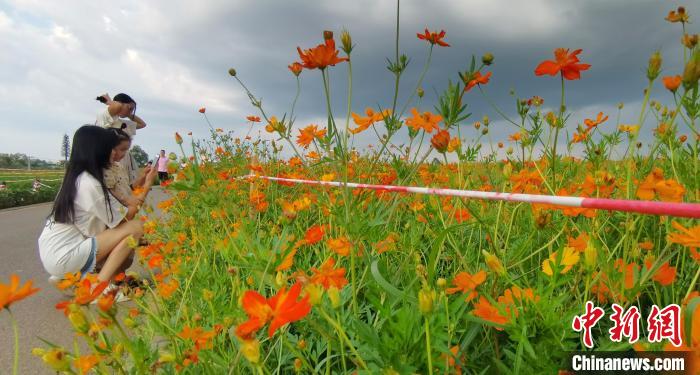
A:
255, 276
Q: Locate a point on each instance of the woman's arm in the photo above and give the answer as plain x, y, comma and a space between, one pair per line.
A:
140, 124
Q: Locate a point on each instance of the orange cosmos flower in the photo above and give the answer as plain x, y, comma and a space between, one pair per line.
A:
202, 110
515, 137
689, 237
486, 311
426, 121
253, 118
665, 275
646, 189
198, 336
440, 141
328, 276
282, 308
670, 190
678, 16
314, 234
579, 137
87, 362
387, 244
178, 138
672, 82
433, 37
295, 68
462, 215
477, 79
565, 63
308, 134
363, 123
579, 243
466, 283
452, 360
627, 271
340, 245
320, 56
12, 293
568, 260
590, 124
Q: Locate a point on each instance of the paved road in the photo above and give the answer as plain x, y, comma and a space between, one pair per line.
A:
36, 315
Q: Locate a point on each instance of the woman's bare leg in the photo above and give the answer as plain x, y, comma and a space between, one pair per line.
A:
113, 251
115, 260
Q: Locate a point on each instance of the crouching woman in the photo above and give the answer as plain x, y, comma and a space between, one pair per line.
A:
88, 230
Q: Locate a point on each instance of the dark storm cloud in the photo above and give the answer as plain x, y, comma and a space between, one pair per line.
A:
174, 57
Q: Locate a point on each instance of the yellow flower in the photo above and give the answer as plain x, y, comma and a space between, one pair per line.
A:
57, 359
632, 129
568, 260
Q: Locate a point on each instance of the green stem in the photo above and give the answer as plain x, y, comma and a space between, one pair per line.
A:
427, 345
560, 123
342, 334
332, 131
420, 81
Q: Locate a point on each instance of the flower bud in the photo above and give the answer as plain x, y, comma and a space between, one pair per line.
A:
232, 72
690, 41
620, 105
493, 262
485, 131
654, 67
251, 350
280, 279
178, 138
315, 292
426, 298
207, 294
334, 296
78, 321
590, 256
485, 120
166, 357
691, 73
442, 283
129, 322
297, 364
683, 138
301, 344
487, 58
346, 41
327, 35
420, 92
440, 141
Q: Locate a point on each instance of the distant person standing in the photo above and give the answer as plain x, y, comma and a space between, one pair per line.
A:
162, 166
121, 114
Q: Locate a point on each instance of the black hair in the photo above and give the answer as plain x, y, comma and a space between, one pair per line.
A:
121, 135
91, 154
123, 98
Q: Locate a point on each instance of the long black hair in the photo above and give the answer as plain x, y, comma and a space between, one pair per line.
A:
91, 151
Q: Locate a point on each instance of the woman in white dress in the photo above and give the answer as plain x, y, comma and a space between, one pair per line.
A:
88, 229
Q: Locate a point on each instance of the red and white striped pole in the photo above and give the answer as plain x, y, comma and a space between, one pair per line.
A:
691, 210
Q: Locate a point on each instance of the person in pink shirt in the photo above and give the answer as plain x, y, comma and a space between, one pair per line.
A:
162, 165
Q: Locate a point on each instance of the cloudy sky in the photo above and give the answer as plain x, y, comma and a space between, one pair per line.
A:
172, 58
